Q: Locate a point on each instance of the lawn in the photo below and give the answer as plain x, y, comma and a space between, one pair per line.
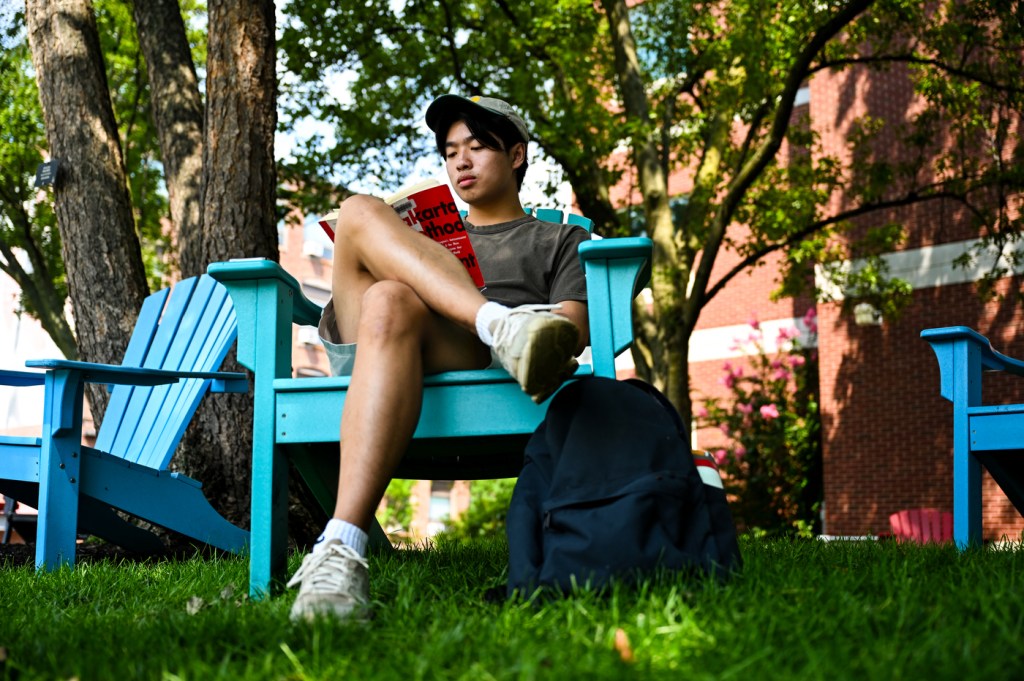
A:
798, 610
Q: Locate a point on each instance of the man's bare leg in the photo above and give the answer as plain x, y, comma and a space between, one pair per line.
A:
400, 340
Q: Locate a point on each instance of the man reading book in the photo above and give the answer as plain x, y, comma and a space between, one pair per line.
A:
410, 307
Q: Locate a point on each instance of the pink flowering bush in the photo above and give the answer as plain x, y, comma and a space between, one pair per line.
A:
772, 466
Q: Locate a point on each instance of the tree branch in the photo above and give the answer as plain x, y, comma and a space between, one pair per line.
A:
911, 58
755, 165
818, 225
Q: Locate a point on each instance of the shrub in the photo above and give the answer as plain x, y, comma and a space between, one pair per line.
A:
772, 468
488, 508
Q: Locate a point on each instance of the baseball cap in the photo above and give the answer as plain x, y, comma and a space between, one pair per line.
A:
444, 105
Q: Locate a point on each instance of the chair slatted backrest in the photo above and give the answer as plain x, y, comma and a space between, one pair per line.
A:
555, 215
191, 328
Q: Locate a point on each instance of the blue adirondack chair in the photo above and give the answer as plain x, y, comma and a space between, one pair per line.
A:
983, 435
299, 418
181, 336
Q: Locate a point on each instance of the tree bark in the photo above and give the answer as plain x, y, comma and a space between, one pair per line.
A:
238, 217
178, 118
106, 279
241, 115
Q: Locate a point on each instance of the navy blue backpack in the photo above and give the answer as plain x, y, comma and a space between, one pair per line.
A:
610, 490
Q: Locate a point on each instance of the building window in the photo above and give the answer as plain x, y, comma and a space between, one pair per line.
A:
440, 505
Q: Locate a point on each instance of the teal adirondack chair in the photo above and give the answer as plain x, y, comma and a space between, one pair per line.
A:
181, 336
299, 418
989, 435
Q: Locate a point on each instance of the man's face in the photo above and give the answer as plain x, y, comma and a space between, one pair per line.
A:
479, 175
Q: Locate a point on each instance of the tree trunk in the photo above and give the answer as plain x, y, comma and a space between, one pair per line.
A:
241, 115
178, 117
101, 251
668, 270
238, 217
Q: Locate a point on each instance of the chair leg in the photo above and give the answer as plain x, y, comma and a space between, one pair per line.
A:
268, 547
966, 496
59, 474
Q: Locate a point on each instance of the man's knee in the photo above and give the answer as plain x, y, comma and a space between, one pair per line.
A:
355, 215
391, 310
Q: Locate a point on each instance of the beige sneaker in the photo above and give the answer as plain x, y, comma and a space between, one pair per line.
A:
537, 347
333, 581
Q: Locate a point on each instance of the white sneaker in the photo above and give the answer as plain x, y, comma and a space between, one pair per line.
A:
334, 581
537, 347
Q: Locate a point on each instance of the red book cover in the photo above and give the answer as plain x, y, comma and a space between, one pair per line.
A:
428, 207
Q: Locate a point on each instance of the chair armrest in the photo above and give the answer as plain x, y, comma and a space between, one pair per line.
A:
616, 270
963, 353
250, 270
223, 381
21, 378
267, 301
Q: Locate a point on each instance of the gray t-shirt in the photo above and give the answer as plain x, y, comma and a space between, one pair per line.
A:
529, 261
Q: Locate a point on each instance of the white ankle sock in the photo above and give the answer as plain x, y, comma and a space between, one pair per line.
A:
349, 534
489, 313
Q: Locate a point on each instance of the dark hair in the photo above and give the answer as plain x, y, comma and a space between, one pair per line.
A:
494, 132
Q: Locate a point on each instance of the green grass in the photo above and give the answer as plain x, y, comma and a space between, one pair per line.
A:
799, 610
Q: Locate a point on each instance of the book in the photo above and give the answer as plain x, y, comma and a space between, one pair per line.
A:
428, 207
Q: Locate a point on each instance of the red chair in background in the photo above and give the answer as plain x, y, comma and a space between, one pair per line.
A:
922, 525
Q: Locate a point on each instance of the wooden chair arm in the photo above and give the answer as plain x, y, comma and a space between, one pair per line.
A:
963, 353
226, 381
616, 270
267, 302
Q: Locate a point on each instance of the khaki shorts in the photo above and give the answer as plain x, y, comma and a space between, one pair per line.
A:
341, 356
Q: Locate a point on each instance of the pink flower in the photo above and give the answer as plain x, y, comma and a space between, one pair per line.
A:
731, 374
788, 332
810, 320
797, 360
754, 324
769, 412
776, 364
701, 412
719, 456
745, 407
739, 452
724, 428
781, 374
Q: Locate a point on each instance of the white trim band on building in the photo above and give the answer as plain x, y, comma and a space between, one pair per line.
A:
932, 266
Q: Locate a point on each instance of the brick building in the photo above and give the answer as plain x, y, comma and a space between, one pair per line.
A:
887, 434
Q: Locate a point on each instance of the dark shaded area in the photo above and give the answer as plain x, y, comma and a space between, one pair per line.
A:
95, 551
